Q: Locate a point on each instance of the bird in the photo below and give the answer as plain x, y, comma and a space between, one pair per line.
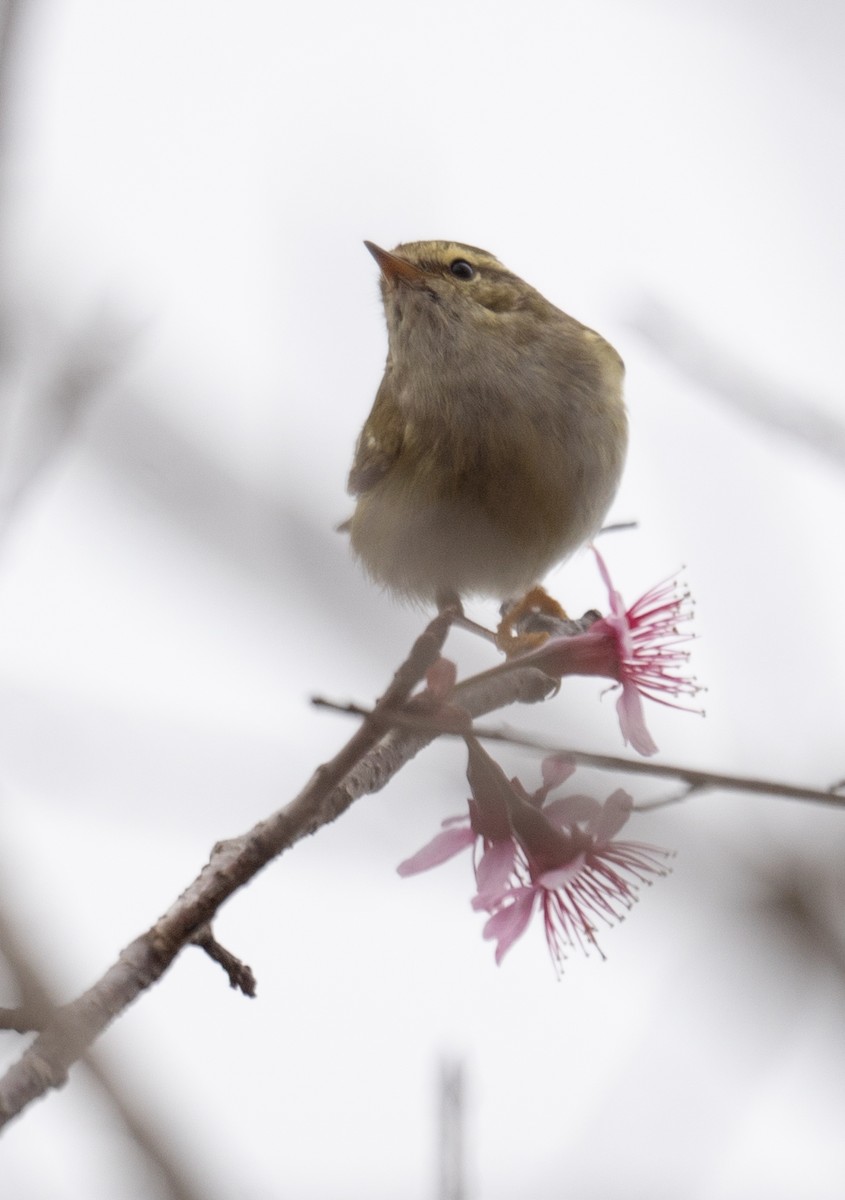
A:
498, 434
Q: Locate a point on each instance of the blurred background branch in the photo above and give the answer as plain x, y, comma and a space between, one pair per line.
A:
452, 1130
737, 384
172, 1177
47, 390
10, 18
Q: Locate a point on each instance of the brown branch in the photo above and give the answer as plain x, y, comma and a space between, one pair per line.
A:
696, 781
36, 1007
240, 975
371, 757
21, 1020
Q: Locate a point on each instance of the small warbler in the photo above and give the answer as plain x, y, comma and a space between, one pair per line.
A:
497, 437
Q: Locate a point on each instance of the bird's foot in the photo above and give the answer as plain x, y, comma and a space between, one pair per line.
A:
528, 622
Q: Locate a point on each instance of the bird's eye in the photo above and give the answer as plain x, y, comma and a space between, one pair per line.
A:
461, 269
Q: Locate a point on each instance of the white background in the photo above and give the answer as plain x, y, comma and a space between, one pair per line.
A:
198, 178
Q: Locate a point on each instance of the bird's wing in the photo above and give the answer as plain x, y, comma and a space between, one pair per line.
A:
380, 442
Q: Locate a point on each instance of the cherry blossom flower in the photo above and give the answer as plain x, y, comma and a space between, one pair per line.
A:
533, 854
640, 647
595, 880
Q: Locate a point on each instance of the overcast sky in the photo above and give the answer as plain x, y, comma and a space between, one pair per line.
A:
185, 191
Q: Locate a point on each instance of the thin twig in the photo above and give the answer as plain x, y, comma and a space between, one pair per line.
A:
618, 527
240, 975
666, 801
696, 781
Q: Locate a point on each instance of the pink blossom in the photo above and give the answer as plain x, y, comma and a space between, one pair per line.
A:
530, 853
639, 647
596, 882
650, 650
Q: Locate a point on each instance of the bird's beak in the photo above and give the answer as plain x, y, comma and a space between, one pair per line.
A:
393, 268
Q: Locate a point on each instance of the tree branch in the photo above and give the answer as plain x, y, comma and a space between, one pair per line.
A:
240, 975
695, 780
371, 757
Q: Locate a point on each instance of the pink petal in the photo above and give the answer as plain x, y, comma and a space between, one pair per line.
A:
440, 678
567, 811
441, 848
493, 873
629, 707
561, 877
617, 604
612, 816
509, 924
556, 770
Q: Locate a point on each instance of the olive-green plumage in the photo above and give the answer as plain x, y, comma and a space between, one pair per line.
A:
497, 437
